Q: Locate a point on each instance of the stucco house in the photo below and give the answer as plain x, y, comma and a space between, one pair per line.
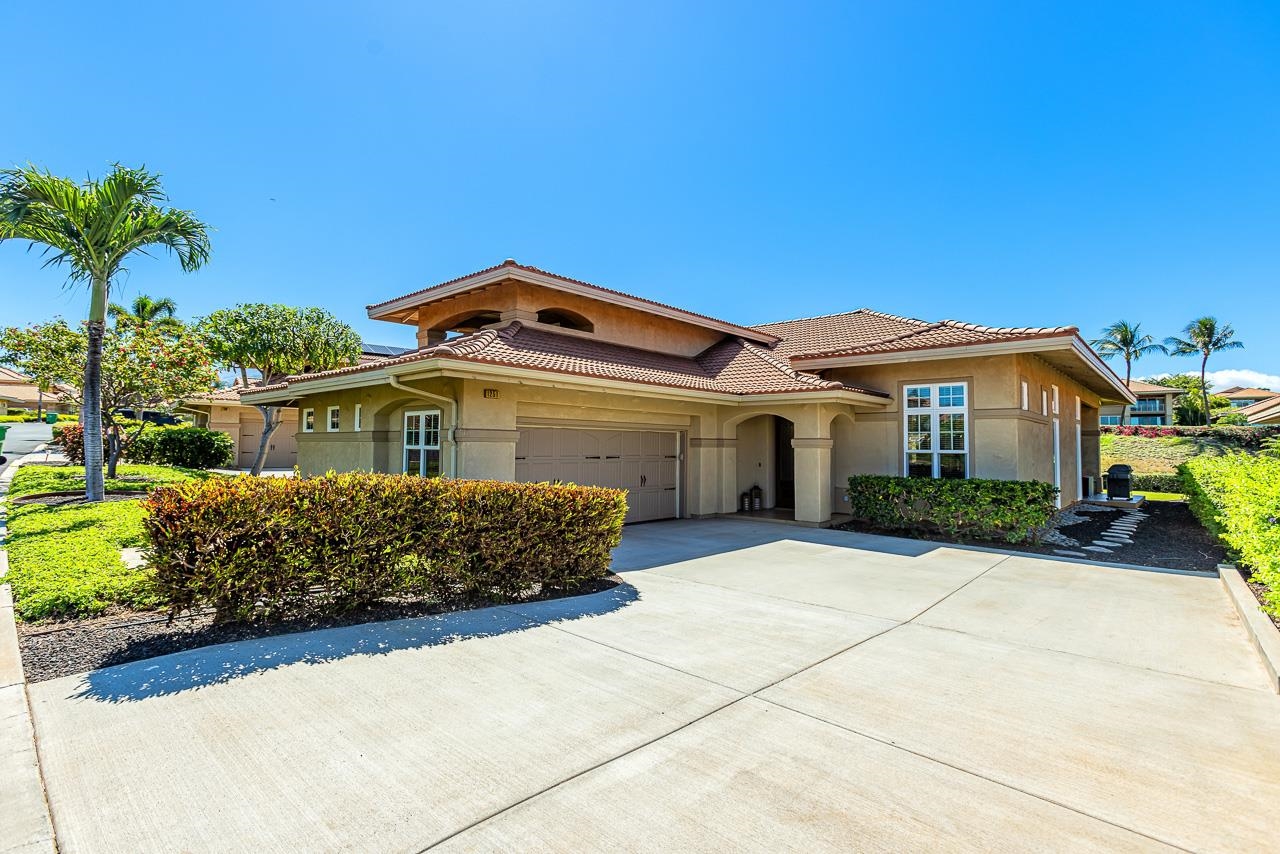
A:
1153, 406
22, 392
1241, 397
522, 374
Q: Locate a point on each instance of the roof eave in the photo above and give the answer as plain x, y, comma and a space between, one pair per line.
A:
385, 310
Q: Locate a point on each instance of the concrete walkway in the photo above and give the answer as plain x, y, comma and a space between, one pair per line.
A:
753, 686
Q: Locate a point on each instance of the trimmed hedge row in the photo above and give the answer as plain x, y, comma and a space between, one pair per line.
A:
1156, 482
187, 447
1237, 497
1008, 510
271, 547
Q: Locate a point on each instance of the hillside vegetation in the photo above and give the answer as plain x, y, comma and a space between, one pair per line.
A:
1160, 455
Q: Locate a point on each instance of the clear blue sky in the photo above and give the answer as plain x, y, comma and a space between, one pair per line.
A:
1008, 163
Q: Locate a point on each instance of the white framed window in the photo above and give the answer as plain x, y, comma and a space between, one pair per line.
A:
1026, 396
308, 421
936, 430
357, 424
1044, 401
422, 443
1055, 398
333, 419
1079, 408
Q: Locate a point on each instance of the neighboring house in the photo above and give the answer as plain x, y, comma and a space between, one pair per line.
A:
1241, 397
1153, 407
6, 402
23, 393
526, 375
1263, 412
223, 410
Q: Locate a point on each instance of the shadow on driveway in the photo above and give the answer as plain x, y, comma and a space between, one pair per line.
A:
213, 665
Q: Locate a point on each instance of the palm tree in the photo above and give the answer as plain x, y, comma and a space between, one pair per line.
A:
92, 228
1123, 338
145, 311
1204, 336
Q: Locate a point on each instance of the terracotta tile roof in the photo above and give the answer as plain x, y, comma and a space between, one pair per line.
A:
513, 265
1237, 393
865, 331
1140, 387
732, 366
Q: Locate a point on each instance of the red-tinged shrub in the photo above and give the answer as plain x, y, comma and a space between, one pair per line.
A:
267, 547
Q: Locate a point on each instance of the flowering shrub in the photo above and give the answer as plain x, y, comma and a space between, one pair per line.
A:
1009, 510
1241, 437
1237, 497
266, 547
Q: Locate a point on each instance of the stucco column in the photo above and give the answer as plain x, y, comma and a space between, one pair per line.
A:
712, 470
486, 454
813, 479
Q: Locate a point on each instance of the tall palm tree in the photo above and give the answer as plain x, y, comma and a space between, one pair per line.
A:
1123, 338
145, 311
92, 228
1204, 336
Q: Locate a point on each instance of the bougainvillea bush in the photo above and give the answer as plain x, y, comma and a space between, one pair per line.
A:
1237, 497
269, 547
975, 508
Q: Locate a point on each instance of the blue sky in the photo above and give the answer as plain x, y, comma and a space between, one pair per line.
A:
1002, 163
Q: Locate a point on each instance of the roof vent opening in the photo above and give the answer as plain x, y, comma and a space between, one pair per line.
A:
565, 319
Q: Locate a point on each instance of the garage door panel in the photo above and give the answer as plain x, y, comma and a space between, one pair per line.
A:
642, 462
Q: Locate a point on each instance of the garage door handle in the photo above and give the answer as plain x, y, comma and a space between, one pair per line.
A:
612, 457
596, 457
642, 480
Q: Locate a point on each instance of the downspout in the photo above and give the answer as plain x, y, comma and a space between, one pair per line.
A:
453, 417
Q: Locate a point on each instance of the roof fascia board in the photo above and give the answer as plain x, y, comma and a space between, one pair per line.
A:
492, 277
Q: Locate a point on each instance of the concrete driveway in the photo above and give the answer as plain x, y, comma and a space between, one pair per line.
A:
753, 686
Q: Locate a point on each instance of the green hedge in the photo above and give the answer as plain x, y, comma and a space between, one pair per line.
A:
1157, 482
1237, 497
268, 547
1008, 510
185, 447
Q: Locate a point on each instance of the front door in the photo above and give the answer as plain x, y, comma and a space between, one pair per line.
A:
785, 464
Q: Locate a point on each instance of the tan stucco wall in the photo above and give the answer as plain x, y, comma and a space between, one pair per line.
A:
613, 323
1006, 442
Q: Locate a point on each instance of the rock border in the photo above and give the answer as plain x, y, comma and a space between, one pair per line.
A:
1263, 633
25, 822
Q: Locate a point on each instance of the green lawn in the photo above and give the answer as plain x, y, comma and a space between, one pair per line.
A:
1161, 496
1156, 456
65, 561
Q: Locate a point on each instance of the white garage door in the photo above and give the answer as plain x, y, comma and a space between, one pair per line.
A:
644, 463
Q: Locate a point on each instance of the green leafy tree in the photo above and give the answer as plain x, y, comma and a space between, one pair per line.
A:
92, 229
142, 369
1126, 339
1203, 337
266, 343
145, 311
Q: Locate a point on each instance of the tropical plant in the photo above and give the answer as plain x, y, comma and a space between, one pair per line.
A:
1204, 336
93, 228
274, 341
140, 369
1188, 407
1123, 338
146, 311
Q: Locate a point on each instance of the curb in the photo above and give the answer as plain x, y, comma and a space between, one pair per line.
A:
1263, 633
25, 822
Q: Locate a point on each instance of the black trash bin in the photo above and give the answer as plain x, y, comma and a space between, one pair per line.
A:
1119, 481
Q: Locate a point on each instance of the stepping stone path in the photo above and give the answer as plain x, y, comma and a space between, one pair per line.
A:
1119, 533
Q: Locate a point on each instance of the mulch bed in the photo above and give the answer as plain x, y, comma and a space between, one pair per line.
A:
62, 648
1171, 538
1258, 590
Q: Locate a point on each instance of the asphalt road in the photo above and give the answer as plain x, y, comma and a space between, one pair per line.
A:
23, 439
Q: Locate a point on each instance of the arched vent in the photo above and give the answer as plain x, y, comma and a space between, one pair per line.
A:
565, 319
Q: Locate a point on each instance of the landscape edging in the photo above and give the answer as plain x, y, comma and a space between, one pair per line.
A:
1263, 633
